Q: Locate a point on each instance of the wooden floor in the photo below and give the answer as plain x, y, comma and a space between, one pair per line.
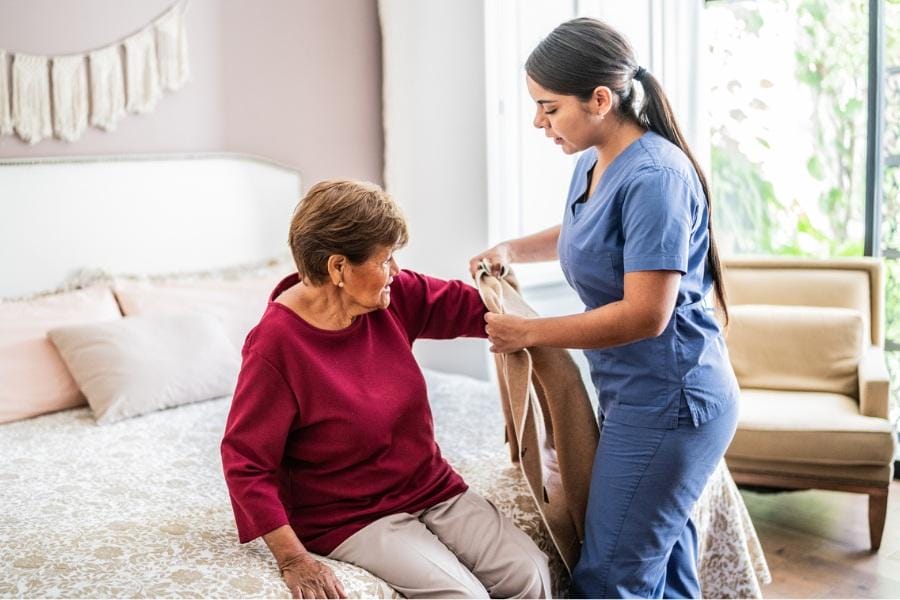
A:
816, 543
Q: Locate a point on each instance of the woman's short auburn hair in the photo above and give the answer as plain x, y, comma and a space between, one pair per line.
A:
350, 218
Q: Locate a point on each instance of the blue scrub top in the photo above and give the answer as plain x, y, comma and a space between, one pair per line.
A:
648, 213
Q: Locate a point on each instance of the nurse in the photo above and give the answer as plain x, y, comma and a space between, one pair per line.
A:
636, 244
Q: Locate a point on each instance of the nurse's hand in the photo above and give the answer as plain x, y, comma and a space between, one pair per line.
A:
498, 257
507, 333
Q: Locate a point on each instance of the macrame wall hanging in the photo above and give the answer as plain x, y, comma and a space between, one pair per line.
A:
43, 96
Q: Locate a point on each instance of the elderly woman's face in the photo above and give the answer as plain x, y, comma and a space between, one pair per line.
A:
368, 284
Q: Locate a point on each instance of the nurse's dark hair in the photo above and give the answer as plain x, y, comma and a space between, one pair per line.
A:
582, 54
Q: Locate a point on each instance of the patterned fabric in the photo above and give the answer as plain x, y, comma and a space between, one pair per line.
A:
140, 508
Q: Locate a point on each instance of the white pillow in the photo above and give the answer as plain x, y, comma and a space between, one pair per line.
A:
138, 365
238, 304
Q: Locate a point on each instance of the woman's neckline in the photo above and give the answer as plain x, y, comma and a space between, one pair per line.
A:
588, 193
303, 321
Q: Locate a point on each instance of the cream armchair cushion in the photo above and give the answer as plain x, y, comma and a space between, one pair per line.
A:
809, 428
801, 348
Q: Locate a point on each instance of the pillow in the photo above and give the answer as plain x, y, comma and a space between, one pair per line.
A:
33, 378
806, 348
141, 364
237, 304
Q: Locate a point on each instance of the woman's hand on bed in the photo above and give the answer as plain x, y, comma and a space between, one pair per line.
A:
308, 578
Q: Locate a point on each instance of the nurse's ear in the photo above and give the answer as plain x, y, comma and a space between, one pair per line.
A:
600, 102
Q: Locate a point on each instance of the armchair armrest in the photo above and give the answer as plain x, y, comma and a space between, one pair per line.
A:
874, 383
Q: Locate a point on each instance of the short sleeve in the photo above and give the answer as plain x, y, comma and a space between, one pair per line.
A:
657, 220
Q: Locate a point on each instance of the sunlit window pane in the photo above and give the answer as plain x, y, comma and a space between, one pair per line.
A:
788, 115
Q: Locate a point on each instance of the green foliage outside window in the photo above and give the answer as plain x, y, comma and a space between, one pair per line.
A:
789, 124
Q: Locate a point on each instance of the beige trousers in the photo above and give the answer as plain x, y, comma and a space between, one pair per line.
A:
461, 548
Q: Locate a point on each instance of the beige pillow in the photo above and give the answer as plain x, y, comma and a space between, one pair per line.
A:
237, 304
33, 378
141, 364
805, 348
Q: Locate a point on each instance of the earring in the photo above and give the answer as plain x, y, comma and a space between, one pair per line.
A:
340, 284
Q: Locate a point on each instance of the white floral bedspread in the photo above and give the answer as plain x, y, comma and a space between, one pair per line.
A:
140, 509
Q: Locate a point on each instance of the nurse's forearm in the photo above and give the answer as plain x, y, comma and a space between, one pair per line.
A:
644, 312
536, 247
614, 324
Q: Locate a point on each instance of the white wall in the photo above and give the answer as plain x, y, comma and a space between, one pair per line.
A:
435, 158
297, 81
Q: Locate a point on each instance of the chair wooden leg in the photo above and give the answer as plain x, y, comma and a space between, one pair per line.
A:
877, 513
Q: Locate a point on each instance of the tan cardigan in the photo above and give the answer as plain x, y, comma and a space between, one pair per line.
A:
551, 429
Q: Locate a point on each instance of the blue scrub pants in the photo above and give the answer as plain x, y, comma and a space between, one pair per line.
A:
639, 538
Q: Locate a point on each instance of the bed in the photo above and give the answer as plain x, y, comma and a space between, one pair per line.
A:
138, 507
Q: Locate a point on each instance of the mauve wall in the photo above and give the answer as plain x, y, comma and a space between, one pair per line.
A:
298, 81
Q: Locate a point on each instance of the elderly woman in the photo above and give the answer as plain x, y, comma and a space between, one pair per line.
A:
329, 446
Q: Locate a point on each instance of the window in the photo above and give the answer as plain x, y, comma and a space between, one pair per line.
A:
792, 144
788, 115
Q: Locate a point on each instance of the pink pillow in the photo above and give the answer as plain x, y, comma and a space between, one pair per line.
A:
33, 378
237, 304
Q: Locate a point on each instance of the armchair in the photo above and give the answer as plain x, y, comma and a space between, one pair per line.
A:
806, 340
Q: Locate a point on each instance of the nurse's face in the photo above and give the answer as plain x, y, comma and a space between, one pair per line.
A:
570, 122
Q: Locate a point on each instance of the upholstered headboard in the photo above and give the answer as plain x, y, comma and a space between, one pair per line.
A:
139, 214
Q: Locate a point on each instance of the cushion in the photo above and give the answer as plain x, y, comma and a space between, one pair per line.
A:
804, 348
35, 379
818, 285
809, 428
238, 304
141, 364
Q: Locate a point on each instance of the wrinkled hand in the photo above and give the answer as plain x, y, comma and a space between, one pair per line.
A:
308, 578
498, 257
507, 333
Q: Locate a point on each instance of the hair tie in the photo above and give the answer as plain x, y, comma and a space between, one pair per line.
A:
639, 73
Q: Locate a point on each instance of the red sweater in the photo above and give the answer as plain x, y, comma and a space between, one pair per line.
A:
331, 430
